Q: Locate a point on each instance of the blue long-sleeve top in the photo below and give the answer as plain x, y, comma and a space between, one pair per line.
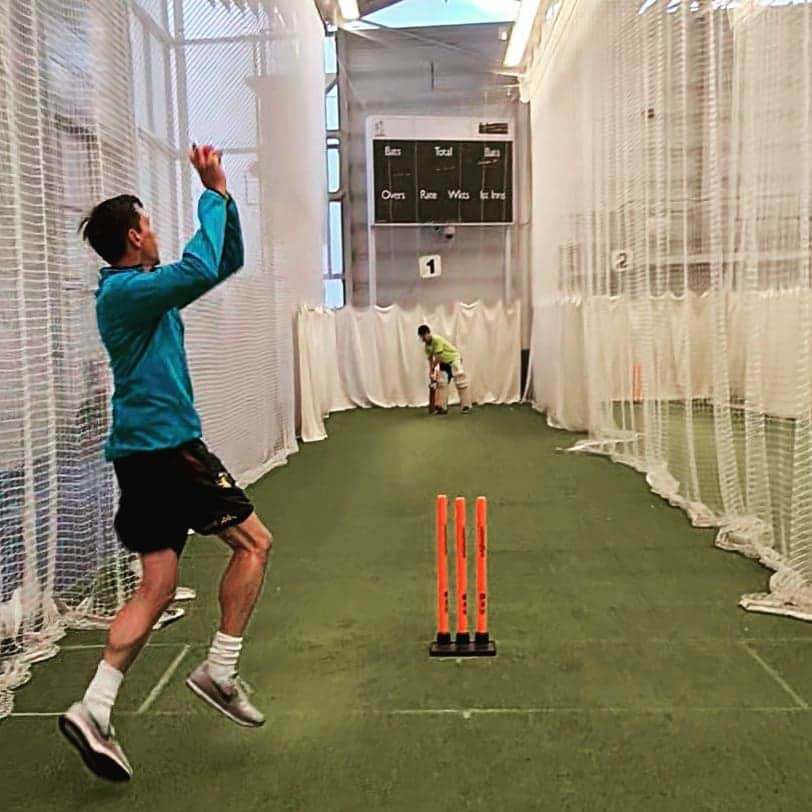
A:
138, 314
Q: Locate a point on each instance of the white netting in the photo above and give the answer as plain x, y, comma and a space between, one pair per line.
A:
240, 337
679, 133
98, 97
65, 140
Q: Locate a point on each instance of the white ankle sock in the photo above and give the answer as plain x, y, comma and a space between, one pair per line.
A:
223, 656
102, 692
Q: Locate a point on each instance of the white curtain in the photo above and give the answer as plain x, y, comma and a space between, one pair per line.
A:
373, 357
680, 325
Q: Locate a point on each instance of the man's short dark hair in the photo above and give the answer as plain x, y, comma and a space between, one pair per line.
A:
106, 227
423, 330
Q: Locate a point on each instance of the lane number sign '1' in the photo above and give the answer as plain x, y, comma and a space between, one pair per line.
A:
430, 266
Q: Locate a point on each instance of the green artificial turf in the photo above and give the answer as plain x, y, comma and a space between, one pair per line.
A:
626, 678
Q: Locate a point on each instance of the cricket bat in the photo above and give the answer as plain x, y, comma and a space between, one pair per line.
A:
433, 389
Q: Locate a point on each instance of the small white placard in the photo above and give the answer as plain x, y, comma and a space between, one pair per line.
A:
621, 260
430, 266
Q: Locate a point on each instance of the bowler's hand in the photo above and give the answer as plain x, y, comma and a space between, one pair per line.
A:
207, 162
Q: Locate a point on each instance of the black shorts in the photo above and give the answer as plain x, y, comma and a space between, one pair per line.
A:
166, 493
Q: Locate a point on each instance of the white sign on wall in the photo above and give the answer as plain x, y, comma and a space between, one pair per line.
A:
430, 266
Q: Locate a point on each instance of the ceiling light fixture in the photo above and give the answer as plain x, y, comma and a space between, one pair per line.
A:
520, 34
349, 9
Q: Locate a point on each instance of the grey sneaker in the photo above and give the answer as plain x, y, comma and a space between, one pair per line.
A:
231, 698
101, 752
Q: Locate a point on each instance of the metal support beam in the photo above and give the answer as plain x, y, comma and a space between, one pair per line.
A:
344, 169
183, 119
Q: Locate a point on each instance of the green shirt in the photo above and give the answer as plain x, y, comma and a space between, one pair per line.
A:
444, 350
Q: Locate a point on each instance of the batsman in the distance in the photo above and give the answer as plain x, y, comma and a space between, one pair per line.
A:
445, 365
169, 481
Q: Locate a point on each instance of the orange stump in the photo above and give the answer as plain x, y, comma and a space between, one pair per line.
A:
462, 573
481, 571
443, 630
462, 645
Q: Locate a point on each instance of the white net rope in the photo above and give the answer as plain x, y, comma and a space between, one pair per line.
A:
100, 97
65, 140
672, 168
240, 338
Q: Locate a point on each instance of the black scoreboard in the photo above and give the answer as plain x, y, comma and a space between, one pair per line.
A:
442, 181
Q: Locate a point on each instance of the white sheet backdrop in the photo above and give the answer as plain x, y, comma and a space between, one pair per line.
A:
612, 327
360, 358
